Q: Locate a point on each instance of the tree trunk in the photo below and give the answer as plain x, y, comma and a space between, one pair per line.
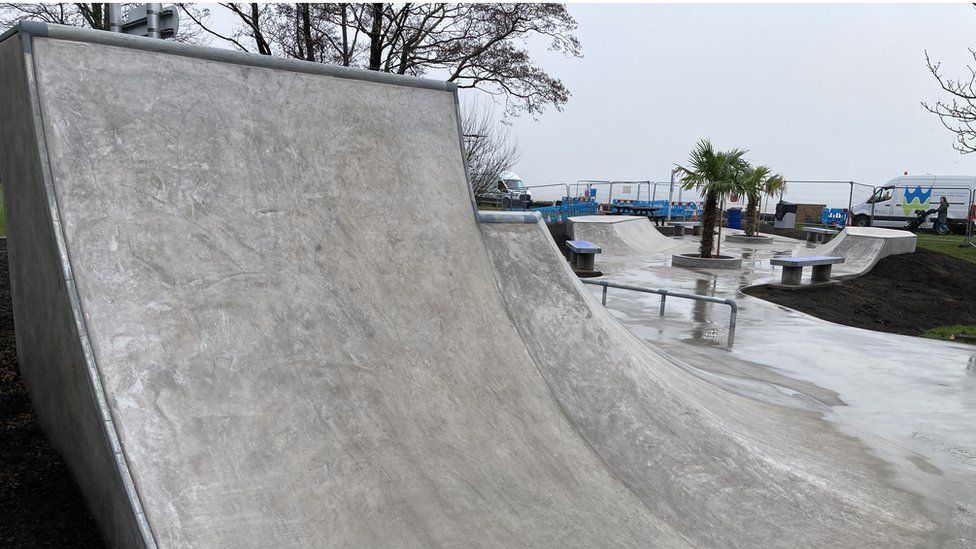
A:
263, 47
749, 219
375, 38
708, 224
306, 30
345, 37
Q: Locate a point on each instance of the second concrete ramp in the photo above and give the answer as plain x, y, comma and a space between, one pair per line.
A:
862, 248
621, 234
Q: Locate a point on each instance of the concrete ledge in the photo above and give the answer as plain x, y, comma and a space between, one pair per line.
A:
749, 239
715, 262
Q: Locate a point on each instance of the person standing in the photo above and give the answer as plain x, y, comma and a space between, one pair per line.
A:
941, 227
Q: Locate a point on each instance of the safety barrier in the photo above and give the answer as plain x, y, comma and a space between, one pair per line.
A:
834, 216
568, 207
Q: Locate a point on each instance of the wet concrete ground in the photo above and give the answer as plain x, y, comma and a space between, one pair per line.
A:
912, 400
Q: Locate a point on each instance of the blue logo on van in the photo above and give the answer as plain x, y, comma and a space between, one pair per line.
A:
916, 199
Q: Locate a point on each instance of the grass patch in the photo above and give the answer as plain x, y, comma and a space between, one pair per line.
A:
947, 244
950, 333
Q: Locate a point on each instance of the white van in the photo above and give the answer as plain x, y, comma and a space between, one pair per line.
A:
508, 191
894, 204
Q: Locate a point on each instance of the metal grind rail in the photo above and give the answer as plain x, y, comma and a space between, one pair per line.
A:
665, 294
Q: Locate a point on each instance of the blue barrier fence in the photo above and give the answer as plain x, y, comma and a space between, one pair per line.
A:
568, 207
834, 216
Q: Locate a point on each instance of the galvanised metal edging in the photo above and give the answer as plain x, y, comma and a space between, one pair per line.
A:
509, 217
62, 32
100, 400
733, 306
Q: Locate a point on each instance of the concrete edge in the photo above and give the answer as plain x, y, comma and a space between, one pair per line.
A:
47, 30
98, 394
509, 217
9, 32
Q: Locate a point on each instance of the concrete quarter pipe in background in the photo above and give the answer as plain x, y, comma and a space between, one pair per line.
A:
621, 234
231, 349
862, 248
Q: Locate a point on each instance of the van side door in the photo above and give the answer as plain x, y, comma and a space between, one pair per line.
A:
881, 206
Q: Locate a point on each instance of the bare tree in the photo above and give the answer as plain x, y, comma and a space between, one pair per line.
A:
479, 46
489, 149
93, 15
957, 114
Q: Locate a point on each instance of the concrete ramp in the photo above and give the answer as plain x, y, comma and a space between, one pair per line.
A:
621, 234
862, 248
254, 309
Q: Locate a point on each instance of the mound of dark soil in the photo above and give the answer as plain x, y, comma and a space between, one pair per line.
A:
40, 505
902, 294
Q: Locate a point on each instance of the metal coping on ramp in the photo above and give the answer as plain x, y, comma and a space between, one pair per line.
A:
509, 217
62, 32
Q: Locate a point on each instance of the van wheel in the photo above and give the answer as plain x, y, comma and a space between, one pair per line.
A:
862, 221
506, 202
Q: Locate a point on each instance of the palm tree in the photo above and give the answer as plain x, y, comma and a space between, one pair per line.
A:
774, 184
754, 180
715, 175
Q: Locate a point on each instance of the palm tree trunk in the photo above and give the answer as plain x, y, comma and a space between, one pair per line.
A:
721, 219
749, 224
708, 224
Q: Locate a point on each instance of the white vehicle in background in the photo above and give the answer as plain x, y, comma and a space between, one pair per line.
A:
895, 203
509, 191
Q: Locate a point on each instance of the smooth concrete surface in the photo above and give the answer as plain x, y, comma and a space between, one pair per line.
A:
911, 400
620, 234
863, 247
282, 371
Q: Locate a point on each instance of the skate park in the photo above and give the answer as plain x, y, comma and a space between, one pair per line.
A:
771, 342
229, 352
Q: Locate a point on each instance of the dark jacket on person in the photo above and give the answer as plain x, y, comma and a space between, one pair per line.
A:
943, 211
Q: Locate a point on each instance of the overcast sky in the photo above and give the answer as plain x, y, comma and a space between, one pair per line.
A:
815, 91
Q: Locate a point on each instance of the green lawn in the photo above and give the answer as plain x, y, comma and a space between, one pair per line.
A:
948, 244
950, 332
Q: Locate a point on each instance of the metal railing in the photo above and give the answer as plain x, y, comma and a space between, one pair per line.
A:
734, 307
550, 185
